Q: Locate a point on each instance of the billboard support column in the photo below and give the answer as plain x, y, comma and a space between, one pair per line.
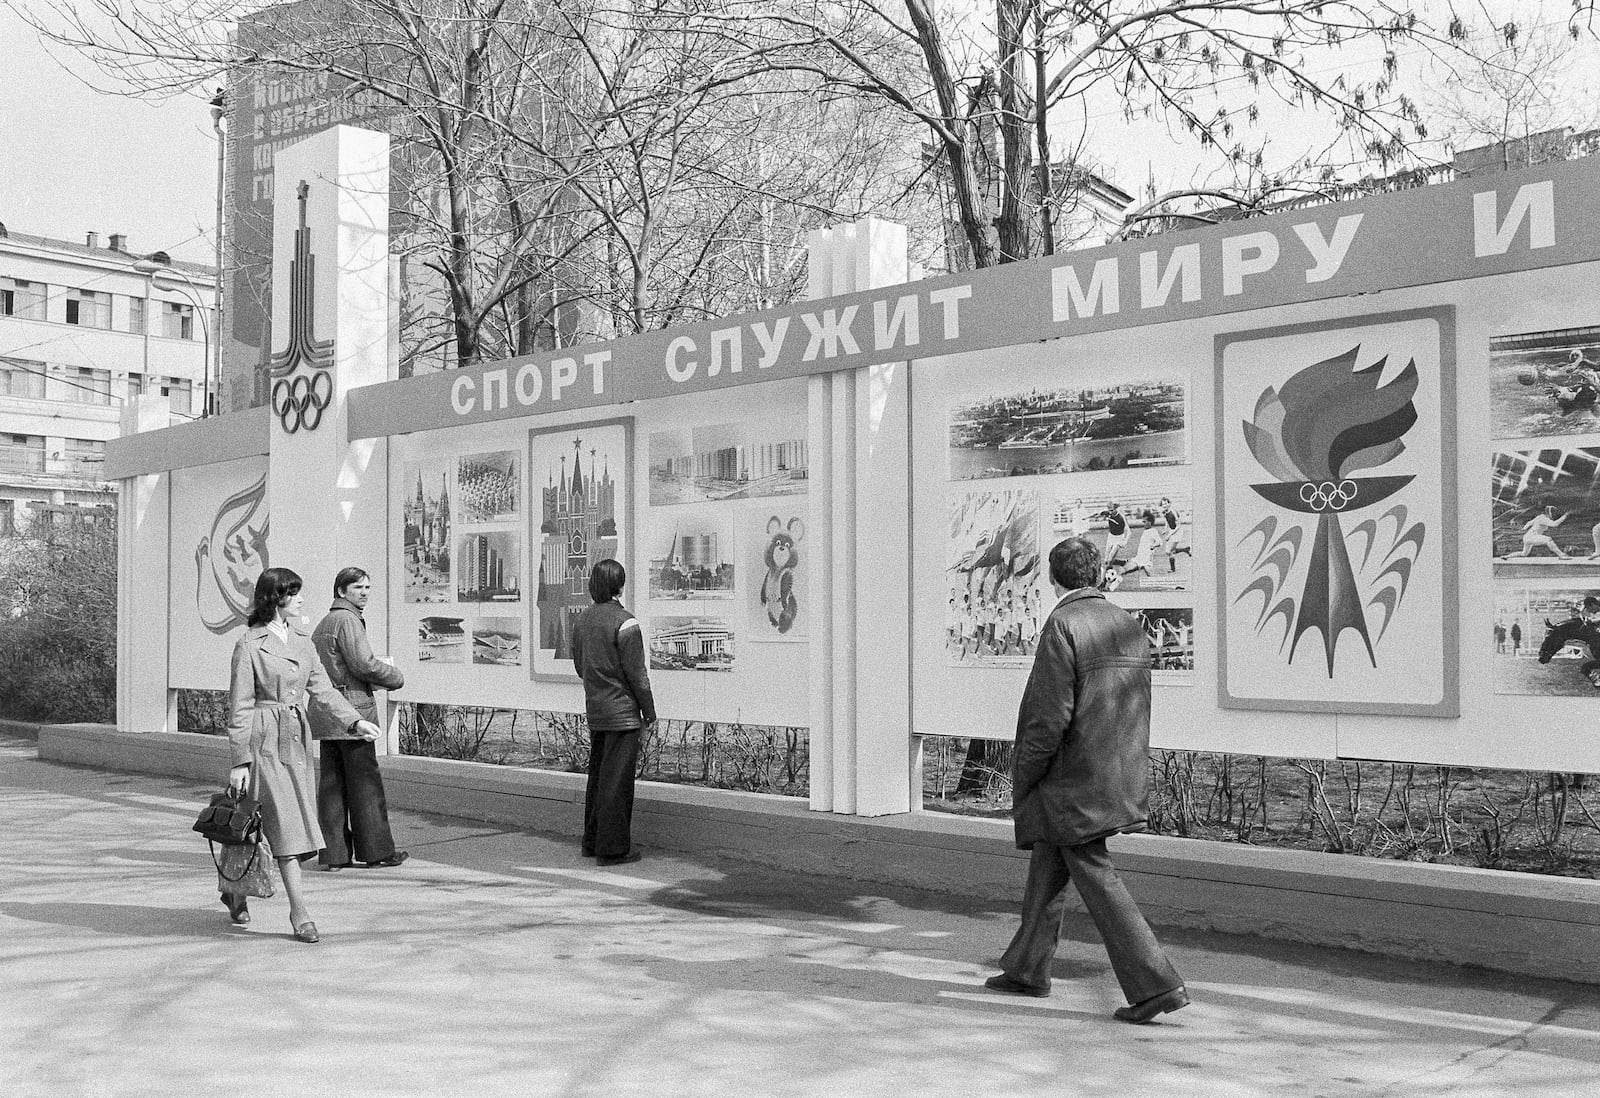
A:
862, 752
330, 334
145, 701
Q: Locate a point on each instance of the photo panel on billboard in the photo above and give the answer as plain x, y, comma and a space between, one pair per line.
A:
778, 590
441, 638
691, 643
427, 520
1335, 456
1544, 384
1171, 632
993, 561
1141, 520
583, 474
727, 461
1545, 507
692, 554
1546, 632
497, 641
488, 566
1038, 421
488, 487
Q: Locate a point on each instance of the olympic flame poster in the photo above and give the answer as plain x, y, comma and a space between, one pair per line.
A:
1335, 454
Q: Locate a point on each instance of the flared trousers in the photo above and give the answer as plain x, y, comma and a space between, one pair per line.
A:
1137, 958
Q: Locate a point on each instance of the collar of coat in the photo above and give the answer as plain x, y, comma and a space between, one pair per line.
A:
345, 604
269, 641
1080, 593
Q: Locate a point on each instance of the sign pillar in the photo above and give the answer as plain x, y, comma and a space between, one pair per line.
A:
330, 330
863, 757
144, 516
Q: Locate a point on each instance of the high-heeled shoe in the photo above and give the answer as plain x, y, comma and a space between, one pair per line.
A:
307, 932
238, 908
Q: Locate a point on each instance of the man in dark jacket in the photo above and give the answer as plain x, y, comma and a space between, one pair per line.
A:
350, 803
1082, 773
608, 654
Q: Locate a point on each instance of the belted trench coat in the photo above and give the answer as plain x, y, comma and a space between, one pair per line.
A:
272, 686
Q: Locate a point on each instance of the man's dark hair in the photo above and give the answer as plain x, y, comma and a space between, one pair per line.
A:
1075, 563
1591, 605
606, 579
345, 578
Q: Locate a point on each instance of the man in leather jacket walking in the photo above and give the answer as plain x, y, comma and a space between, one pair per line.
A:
1082, 773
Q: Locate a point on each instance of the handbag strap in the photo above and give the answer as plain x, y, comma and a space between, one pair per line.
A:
255, 852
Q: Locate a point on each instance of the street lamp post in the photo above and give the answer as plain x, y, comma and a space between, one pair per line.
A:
150, 268
219, 106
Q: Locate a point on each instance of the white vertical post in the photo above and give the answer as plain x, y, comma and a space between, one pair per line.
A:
144, 529
344, 173
861, 744
881, 542
819, 518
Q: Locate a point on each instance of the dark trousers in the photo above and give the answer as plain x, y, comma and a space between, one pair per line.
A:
350, 804
1136, 957
608, 799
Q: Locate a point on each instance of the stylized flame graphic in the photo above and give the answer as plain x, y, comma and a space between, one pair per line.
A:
1331, 420
229, 558
1326, 423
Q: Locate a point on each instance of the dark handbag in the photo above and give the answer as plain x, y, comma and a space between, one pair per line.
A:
230, 819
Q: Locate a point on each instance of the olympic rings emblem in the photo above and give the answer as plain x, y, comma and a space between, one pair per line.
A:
1328, 496
299, 401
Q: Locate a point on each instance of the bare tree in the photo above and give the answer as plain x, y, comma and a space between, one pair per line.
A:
992, 96
568, 170
1517, 80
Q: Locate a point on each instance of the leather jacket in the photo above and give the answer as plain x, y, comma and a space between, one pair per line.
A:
1082, 763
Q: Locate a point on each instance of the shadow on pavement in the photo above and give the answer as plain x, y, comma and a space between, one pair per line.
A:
126, 919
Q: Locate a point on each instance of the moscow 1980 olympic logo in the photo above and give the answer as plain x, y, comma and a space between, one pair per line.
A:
299, 401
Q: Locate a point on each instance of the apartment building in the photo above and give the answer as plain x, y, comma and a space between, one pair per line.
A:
84, 327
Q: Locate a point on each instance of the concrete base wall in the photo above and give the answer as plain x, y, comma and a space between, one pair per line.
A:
1513, 922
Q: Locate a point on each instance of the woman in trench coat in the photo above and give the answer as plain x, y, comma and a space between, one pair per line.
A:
276, 677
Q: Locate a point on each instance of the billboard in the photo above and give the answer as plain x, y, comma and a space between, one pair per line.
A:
268, 110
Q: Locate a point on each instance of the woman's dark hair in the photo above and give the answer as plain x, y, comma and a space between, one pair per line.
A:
272, 588
1075, 563
345, 578
606, 579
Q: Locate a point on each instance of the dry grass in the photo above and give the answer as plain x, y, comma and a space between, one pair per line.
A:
1496, 819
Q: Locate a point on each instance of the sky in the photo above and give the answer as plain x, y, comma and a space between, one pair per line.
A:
78, 161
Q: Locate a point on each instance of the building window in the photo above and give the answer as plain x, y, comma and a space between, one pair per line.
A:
21, 377
180, 391
177, 321
136, 315
88, 386
21, 298
22, 453
84, 456
89, 308
8, 518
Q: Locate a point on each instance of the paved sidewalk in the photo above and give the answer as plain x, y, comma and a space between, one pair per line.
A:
500, 962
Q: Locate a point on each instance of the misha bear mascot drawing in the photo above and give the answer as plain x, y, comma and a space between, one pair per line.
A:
777, 587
